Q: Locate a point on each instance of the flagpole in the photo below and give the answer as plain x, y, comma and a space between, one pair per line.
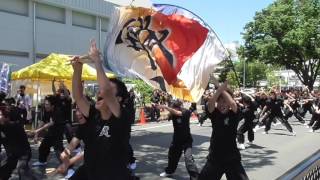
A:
228, 54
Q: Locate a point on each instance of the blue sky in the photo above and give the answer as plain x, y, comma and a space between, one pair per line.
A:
226, 17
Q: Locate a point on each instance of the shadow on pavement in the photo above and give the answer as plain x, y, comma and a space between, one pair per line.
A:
152, 154
256, 157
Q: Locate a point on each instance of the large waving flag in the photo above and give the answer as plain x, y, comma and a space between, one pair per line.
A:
168, 47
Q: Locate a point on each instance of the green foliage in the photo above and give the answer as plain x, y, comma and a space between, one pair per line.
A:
286, 33
142, 88
272, 79
255, 71
232, 80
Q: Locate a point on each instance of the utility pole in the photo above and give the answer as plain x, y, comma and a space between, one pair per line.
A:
244, 73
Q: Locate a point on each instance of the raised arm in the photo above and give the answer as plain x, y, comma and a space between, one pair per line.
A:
230, 101
171, 110
212, 100
252, 99
77, 87
287, 105
105, 86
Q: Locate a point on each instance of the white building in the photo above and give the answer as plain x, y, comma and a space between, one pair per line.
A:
31, 29
291, 79
288, 78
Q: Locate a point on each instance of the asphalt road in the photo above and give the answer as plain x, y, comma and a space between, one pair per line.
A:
269, 157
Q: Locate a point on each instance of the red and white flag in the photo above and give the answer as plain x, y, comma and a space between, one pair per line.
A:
168, 47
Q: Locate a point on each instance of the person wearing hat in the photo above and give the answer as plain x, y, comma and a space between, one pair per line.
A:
182, 140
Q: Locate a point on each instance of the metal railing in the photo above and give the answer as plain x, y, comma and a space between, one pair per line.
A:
308, 169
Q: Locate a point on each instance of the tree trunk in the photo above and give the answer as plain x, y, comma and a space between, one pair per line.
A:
309, 83
310, 87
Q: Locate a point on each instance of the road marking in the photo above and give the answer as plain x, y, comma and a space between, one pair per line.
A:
153, 127
170, 124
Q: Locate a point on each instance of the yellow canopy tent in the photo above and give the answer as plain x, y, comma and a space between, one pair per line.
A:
54, 67
38, 77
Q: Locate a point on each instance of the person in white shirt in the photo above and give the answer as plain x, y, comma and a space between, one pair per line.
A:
23, 103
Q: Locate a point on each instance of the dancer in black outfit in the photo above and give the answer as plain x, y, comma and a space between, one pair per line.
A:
275, 104
315, 125
16, 145
106, 132
247, 110
224, 156
294, 104
54, 136
307, 104
261, 101
182, 140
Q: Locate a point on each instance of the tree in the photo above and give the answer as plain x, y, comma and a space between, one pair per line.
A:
255, 71
142, 88
286, 33
272, 79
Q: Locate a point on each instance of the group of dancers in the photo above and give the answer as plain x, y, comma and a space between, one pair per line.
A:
105, 126
262, 109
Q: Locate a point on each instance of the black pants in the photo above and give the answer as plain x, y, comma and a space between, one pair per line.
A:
202, 117
288, 114
214, 171
22, 165
307, 108
298, 116
132, 159
155, 114
48, 142
68, 132
263, 120
281, 118
174, 155
316, 126
313, 120
247, 126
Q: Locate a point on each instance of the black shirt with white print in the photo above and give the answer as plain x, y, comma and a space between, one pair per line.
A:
223, 145
106, 145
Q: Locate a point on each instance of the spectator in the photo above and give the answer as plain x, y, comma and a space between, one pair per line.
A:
24, 104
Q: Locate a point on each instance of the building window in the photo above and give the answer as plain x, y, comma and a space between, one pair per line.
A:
50, 13
19, 7
83, 20
104, 24
14, 53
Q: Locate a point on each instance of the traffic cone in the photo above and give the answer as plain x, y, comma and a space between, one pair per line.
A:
142, 118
